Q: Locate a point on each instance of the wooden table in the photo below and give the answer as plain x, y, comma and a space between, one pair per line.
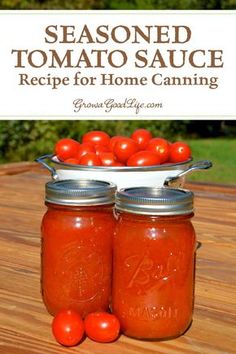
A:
24, 322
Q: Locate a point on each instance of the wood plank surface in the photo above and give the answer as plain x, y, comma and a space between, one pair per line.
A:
24, 322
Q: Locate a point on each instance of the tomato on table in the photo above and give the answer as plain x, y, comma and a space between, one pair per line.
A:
142, 137
66, 148
179, 152
96, 137
144, 158
68, 328
124, 148
161, 147
102, 327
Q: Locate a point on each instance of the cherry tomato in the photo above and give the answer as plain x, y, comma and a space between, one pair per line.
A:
179, 152
90, 159
84, 149
144, 158
66, 148
161, 147
113, 141
68, 328
118, 164
124, 148
72, 161
96, 137
102, 327
101, 148
107, 158
142, 137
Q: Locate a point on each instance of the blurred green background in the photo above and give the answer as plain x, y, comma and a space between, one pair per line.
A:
119, 4
214, 140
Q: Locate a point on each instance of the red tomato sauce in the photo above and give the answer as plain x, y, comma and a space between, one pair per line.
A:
153, 277
77, 258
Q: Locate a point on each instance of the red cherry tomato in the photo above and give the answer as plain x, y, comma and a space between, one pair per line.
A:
160, 147
101, 148
84, 149
142, 137
179, 152
102, 327
124, 148
68, 328
118, 164
144, 158
96, 137
66, 148
113, 141
90, 159
72, 161
107, 158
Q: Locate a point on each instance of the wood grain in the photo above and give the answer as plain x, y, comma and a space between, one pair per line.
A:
24, 322
17, 167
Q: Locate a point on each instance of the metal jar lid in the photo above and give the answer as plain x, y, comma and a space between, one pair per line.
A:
155, 201
80, 192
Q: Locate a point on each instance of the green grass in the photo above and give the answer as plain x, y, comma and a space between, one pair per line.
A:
222, 153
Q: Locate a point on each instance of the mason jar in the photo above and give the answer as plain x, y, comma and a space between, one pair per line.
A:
153, 266
77, 236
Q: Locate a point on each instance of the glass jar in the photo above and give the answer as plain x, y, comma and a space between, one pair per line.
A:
77, 236
153, 262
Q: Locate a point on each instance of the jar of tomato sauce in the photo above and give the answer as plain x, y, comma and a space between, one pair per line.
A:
153, 269
77, 236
